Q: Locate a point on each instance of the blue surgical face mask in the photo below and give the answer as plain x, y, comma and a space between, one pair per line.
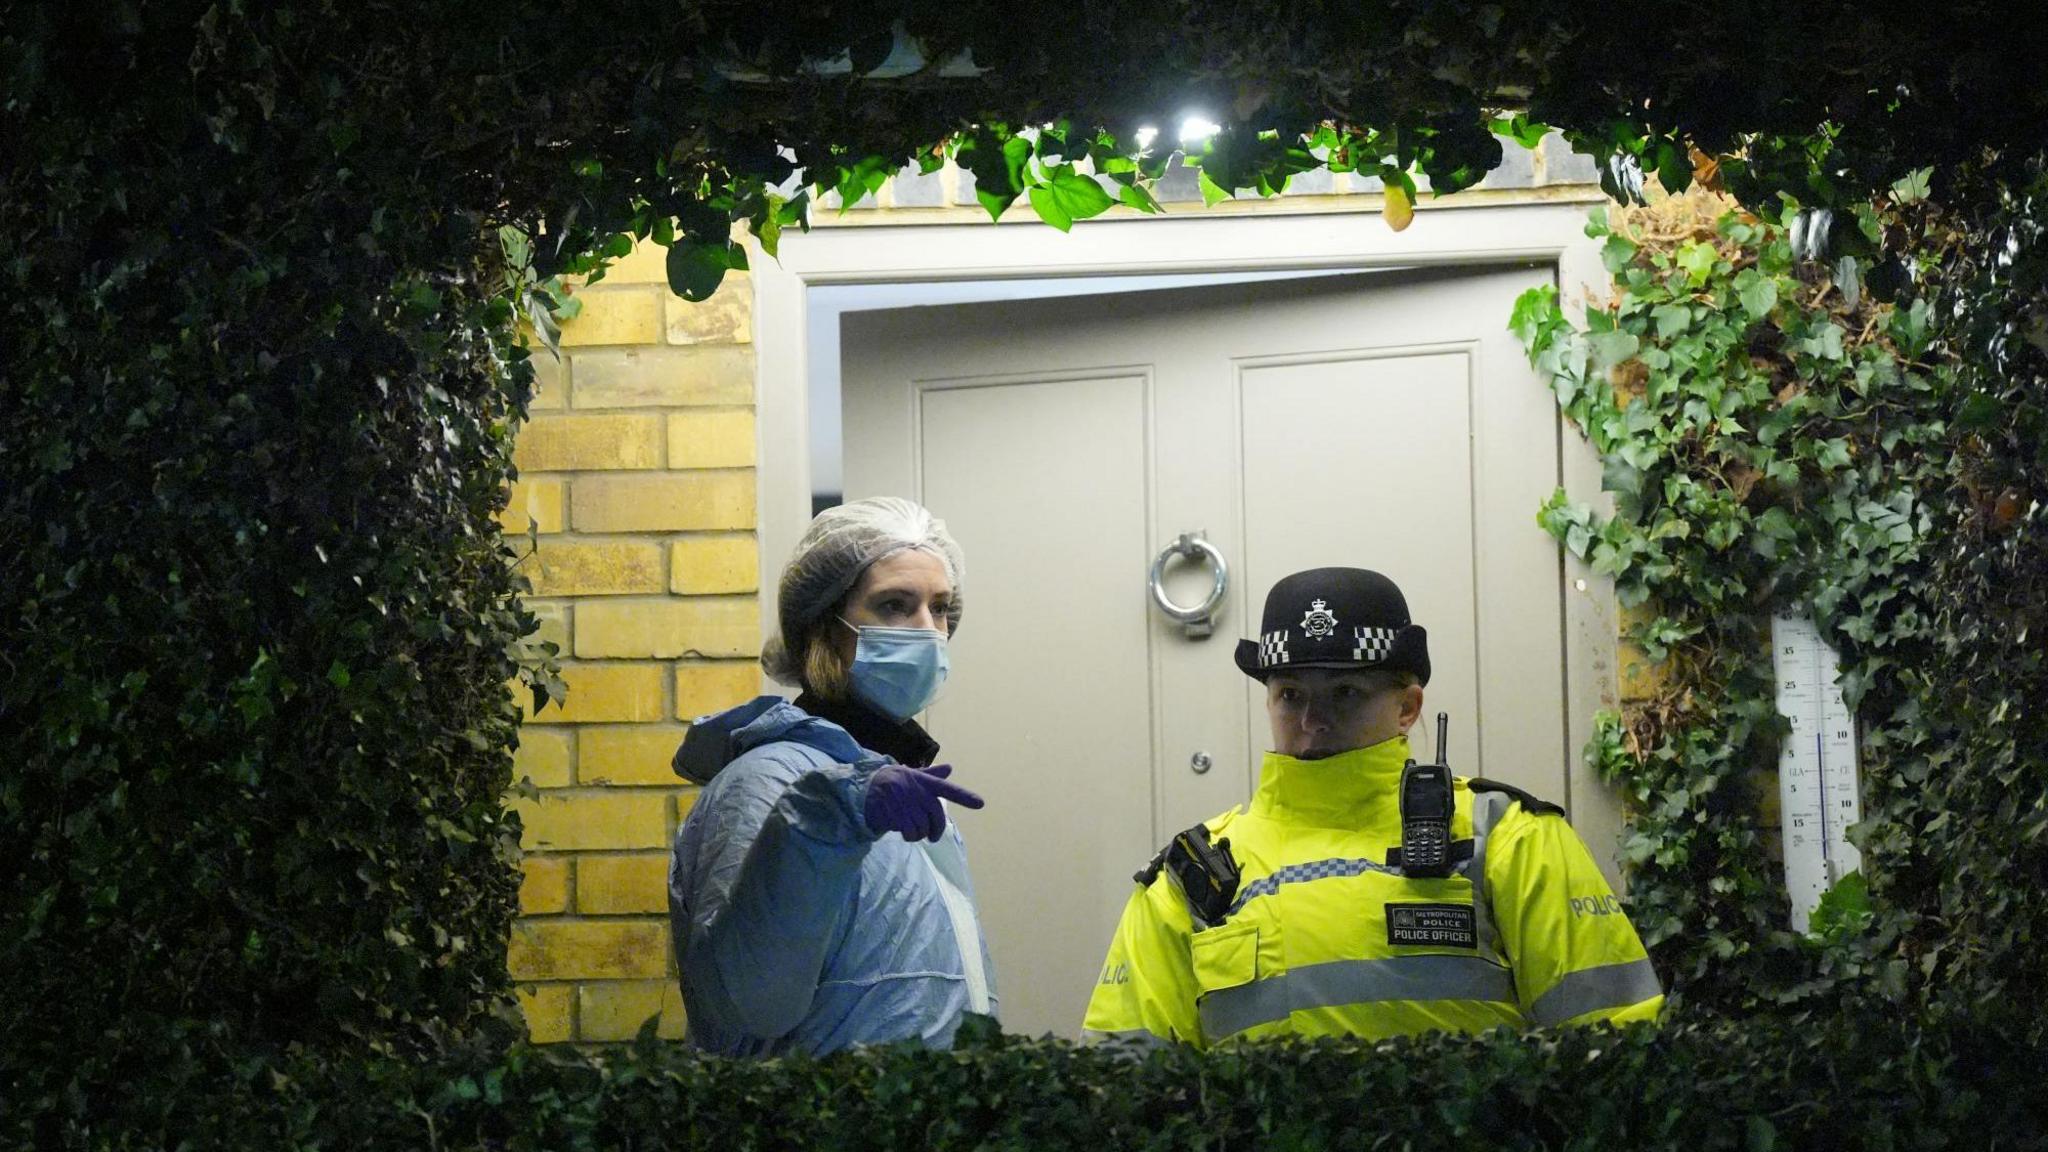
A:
897, 671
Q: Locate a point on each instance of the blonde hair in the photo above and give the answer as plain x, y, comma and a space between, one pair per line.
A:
823, 670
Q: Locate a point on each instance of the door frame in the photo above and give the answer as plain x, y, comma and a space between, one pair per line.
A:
1548, 232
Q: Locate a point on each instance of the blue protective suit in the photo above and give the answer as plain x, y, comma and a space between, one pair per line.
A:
795, 927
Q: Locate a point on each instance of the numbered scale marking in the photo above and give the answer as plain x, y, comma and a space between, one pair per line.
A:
1817, 780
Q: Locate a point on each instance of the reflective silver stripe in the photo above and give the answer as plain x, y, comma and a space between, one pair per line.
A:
1338, 983
1136, 1039
1487, 809
1299, 873
1589, 989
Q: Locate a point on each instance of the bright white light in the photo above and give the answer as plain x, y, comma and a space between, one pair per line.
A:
1146, 135
1196, 129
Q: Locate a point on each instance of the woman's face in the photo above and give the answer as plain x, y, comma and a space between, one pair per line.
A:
906, 589
1318, 712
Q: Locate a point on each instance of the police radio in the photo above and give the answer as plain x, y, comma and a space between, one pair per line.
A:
1426, 806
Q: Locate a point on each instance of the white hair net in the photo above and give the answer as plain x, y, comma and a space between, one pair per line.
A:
838, 546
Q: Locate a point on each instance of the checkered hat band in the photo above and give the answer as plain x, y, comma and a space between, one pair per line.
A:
1373, 645
1273, 649
1368, 646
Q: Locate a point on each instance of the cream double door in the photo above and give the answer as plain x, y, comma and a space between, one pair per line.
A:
1384, 420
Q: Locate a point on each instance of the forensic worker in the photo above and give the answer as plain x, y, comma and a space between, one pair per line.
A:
818, 893
1359, 895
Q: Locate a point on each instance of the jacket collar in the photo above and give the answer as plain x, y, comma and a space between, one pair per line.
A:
1349, 790
904, 742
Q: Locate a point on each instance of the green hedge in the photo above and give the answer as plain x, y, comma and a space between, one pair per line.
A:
264, 264
256, 620
1847, 1081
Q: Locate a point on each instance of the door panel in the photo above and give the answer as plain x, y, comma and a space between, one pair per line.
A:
1046, 542
1383, 420
1394, 493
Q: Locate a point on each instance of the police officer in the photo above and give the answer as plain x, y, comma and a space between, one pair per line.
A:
1361, 894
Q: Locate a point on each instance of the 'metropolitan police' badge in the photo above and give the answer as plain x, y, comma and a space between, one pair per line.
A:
1320, 621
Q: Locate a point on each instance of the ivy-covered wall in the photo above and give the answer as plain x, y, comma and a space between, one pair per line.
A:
1780, 437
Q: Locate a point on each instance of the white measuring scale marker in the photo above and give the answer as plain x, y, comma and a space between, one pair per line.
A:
1817, 781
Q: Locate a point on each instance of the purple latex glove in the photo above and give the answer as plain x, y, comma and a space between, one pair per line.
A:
906, 800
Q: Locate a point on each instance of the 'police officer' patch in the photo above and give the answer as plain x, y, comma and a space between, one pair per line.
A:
1432, 925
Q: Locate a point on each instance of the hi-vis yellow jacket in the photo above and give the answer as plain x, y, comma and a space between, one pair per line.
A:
1326, 939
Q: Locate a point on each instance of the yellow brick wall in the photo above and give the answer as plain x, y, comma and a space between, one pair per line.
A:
637, 471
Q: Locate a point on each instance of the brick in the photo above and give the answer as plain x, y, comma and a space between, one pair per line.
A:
664, 377
550, 381
622, 885
630, 754
537, 500
547, 1008
684, 803
554, 624
588, 949
716, 438
646, 264
544, 885
668, 628
1314, 182
614, 1011
710, 564
677, 502
726, 318
1178, 183
595, 568
1517, 167
586, 442
1561, 164
589, 821
622, 315
605, 694
910, 188
702, 689
544, 756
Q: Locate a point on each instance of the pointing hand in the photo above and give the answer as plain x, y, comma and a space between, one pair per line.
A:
905, 800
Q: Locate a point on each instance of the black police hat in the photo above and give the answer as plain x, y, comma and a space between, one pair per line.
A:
1336, 618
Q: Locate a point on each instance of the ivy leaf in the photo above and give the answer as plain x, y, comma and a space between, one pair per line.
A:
1139, 197
1068, 197
1520, 129
1757, 292
695, 269
1914, 186
1671, 319
995, 203
1697, 260
1617, 254
1048, 207
1978, 412
1212, 195
1611, 348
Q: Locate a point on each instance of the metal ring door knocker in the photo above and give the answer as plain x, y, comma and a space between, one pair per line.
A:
1199, 621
